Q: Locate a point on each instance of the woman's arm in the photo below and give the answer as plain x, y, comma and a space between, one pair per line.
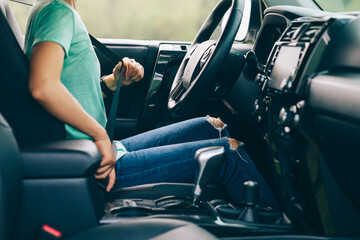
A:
46, 64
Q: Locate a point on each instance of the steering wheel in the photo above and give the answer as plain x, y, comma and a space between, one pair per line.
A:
204, 58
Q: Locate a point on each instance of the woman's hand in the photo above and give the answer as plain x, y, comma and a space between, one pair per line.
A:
108, 161
131, 72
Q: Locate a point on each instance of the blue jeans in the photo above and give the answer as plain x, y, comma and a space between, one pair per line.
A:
167, 155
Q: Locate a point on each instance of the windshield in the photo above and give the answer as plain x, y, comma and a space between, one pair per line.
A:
339, 5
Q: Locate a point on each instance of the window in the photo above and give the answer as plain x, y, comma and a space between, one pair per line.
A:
339, 5
145, 19
21, 12
170, 20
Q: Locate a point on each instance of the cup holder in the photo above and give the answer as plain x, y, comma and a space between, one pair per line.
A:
131, 212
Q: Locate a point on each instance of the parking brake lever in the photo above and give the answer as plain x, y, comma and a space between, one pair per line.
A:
207, 160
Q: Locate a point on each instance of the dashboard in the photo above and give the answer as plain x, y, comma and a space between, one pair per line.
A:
306, 99
303, 95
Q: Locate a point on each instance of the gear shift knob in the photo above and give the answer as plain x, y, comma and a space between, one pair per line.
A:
251, 193
207, 160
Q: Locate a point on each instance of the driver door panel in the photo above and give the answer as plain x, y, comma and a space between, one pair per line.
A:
136, 112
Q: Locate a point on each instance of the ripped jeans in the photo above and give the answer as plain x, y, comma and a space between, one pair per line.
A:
167, 155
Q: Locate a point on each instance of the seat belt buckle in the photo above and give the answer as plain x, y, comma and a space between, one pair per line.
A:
48, 233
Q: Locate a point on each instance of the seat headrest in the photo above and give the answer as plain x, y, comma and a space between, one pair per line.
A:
12, 22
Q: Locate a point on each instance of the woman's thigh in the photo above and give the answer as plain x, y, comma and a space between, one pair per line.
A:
175, 163
169, 163
186, 131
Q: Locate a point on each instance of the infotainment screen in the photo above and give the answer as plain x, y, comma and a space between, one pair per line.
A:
285, 65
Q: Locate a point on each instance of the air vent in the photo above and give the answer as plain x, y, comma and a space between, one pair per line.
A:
311, 32
288, 35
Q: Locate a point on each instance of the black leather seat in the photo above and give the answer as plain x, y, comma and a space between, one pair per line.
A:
11, 197
145, 229
30, 122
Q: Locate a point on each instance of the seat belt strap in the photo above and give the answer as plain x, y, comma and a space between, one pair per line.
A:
110, 125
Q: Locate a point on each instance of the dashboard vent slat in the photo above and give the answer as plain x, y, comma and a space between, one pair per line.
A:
287, 36
311, 32
302, 31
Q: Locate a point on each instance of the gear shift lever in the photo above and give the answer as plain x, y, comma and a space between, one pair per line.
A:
207, 160
251, 198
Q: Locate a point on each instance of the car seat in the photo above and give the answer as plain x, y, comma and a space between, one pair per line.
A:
12, 195
31, 123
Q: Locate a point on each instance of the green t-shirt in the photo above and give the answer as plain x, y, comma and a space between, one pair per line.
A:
56, 21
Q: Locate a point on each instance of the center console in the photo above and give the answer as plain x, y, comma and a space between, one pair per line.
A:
290, 57
217, 216
294, 59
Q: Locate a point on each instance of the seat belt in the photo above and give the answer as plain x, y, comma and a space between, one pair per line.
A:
110, 125
111, 118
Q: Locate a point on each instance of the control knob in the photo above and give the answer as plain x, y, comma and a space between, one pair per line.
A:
288, 119
260, 79
260, 108
288, 84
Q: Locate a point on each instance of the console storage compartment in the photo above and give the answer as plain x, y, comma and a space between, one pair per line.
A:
59, 188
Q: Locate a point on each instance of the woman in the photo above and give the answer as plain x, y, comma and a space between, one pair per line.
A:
64, 79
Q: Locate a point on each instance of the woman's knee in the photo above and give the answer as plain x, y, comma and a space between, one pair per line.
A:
216, 122
234, 144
